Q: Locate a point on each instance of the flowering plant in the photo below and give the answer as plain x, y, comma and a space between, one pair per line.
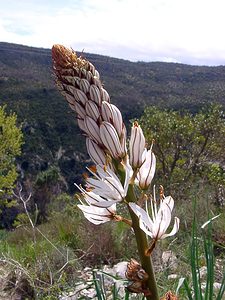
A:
118, 171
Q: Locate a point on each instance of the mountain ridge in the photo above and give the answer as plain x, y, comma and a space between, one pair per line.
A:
27, 87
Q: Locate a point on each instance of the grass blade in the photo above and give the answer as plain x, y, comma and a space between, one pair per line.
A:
194, 263
188, 290
127, 295
98, 288
222, 289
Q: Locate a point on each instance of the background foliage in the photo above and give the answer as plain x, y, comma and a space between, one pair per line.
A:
188, 147
50, 131
11, 139
173, 105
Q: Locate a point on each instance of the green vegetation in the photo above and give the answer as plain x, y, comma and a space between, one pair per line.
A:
11, 139
50, 131
56, 242
51, 254
188, 147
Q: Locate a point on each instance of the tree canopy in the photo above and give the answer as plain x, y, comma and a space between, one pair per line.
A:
11, 139
186, 145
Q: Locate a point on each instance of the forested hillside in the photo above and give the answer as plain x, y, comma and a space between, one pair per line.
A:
51, 135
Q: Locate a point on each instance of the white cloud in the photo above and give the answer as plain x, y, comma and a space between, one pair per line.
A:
173, 30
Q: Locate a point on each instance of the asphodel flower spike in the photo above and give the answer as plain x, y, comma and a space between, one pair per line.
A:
113, 178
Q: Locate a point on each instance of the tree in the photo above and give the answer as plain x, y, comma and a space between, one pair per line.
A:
11, 140
47, 186
184, 144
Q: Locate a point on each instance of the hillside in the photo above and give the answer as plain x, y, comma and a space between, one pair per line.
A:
51, 135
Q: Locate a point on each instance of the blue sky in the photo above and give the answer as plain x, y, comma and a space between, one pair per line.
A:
186, 31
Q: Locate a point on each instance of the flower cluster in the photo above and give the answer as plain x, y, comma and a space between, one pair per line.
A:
156, 223
117, 168
101, 122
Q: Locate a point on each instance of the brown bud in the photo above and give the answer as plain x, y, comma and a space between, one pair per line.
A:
169, 296
135, 272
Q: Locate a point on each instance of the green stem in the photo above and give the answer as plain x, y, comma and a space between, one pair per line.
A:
142, 245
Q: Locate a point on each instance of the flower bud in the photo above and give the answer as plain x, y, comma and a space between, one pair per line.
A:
137, 145
95, 94
104, 95
79, 110
111, 141
92, 129
92, 110
78, 95
84, 85
95, 152
81, 125
147, 170
111, 114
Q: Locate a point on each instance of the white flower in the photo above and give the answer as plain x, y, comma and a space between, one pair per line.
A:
108, 186
97, 215
156, 225
147, 170
137, 145
93, 199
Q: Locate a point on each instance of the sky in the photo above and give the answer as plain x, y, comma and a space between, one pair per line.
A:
184, 31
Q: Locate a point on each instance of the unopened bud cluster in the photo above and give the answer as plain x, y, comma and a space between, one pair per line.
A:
102, 123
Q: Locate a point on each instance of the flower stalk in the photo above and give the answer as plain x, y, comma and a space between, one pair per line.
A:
117, 169
142, 246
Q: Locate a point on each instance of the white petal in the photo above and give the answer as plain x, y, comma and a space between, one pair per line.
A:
97, 82
174, 230
69, 79
106, 204
107, 185
106, 111
145, 221
169, 202
91, 68
123, 139
96, 215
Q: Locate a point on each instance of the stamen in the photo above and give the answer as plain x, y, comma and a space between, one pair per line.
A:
85, 175
93, 168
161, 192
